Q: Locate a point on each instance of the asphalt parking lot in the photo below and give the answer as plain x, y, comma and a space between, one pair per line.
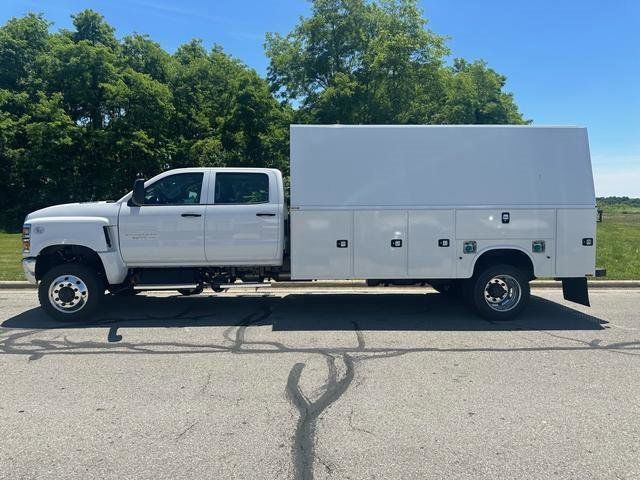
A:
350, 383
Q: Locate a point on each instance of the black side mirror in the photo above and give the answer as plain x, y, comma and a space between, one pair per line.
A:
137, 198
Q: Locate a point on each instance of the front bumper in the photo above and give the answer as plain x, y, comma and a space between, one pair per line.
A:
29, 267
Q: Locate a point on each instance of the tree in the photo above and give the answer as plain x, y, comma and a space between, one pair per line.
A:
475, 95
225, 112
22, 40
81, 113
92, 27
146, 56
359, 61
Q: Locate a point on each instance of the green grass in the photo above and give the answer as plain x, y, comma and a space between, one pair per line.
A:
618, 248
10, 257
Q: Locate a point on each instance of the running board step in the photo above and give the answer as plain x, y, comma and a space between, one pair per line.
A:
244, 285
186, 286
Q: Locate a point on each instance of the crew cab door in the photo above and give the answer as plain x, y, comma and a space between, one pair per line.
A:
243, 223
169, 228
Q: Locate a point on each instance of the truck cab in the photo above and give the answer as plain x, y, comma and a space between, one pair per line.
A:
205, 216
187, 227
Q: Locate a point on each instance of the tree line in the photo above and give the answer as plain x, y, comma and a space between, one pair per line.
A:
82, 112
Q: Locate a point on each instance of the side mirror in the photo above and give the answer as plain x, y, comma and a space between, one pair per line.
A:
137, 198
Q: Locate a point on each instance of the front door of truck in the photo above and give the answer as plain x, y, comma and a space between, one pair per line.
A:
169, 228
242, 224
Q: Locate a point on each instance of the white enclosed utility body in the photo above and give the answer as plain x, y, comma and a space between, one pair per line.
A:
479, 210
424, 187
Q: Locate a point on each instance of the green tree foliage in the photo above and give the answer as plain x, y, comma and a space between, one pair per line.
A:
359, 61
82, 111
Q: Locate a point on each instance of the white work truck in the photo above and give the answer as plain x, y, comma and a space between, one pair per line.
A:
476, 210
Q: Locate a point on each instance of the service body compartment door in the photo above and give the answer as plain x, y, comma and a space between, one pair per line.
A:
576, 242
321, 244
517, 224
431, 244
380, 244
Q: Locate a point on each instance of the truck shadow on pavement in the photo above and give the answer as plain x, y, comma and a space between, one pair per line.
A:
26, 335
314, 312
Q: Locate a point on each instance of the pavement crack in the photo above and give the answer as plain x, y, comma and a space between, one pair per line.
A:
303, 449
181, 434
206, 384
359, 336
357, 429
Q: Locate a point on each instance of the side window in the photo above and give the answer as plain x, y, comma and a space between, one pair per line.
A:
178, 189
241, 188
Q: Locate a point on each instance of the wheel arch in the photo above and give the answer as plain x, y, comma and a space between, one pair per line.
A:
513, 256
55, 255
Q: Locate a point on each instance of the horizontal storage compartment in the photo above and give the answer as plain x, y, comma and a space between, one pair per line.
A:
490, 224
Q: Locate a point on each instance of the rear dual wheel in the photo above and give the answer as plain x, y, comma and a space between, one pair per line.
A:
498, 292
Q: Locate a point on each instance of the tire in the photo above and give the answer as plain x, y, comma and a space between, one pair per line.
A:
81, 286
190, 291
498, 292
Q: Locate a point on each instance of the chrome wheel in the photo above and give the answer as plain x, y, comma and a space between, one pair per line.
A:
68, 294
502, 293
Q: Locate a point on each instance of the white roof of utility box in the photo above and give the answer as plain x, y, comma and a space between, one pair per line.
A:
416, 165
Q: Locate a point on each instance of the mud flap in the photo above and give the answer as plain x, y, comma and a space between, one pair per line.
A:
576, 290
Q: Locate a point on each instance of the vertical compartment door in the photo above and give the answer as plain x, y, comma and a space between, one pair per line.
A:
380, 250
431, 244
576, 242
321, 244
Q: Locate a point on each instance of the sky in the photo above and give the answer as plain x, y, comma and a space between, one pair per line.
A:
567, 62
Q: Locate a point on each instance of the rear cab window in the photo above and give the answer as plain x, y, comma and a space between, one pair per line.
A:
241, 188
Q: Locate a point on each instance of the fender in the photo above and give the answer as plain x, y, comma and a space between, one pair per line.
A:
493, 247
85, 231
94, 233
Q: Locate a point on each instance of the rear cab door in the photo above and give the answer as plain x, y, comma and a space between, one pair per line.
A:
244, 218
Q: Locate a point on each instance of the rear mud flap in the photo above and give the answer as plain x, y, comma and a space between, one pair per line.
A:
576, 290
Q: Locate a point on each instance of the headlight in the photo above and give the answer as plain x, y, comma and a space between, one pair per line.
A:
26, 238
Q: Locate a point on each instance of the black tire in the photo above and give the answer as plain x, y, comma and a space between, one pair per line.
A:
190, 291
67, 276
498, 292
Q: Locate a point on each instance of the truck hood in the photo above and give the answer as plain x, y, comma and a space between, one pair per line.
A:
108, 210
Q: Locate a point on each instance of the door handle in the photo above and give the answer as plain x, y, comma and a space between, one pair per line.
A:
191, 215
265, 214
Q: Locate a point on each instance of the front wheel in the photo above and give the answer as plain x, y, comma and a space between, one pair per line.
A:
499, 292
70, 292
